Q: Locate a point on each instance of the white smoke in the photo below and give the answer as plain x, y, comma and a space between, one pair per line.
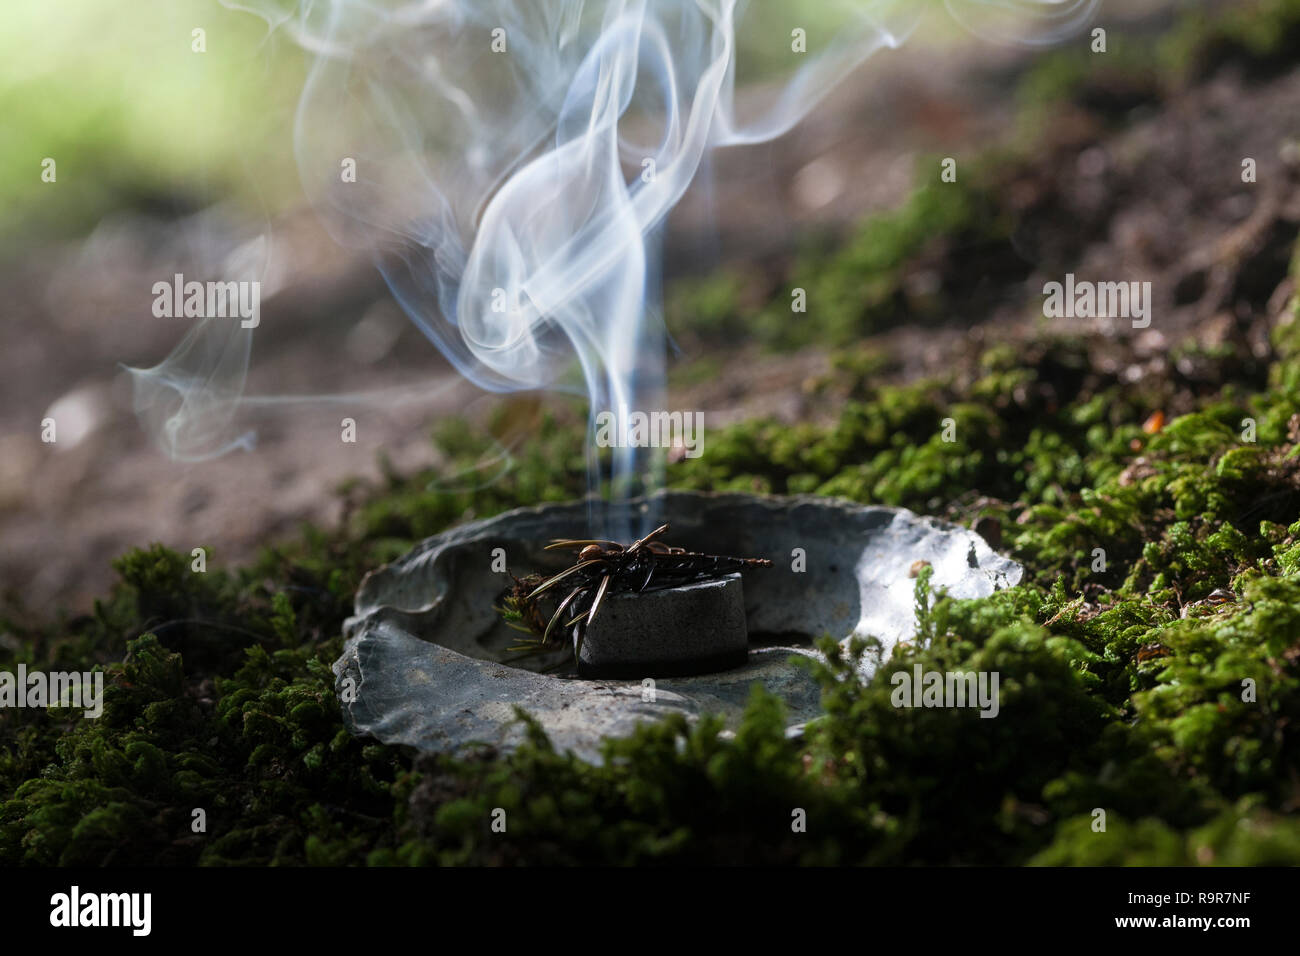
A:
515, 160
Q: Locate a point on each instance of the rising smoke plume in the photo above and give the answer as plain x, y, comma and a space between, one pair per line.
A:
512, 164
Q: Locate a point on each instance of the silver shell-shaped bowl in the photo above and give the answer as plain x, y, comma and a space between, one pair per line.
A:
424, 663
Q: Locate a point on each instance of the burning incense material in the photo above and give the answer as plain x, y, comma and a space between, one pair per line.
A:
606, 572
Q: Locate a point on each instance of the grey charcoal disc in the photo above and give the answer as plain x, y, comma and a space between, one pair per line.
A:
674, 632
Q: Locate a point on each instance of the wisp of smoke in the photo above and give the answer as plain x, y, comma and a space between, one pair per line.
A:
510, 163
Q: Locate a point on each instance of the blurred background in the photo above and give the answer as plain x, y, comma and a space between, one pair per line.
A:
168, 160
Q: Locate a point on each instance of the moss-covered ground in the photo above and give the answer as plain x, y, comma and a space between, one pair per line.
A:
1149, 662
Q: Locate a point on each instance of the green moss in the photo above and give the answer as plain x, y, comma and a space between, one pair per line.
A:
1262, 35
219, 694
1119, 691
1141, 67
1109, 84
839, 290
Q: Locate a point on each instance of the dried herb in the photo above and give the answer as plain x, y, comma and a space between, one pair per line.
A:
602, 568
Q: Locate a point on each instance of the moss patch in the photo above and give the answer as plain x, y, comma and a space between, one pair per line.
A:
1122, 681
